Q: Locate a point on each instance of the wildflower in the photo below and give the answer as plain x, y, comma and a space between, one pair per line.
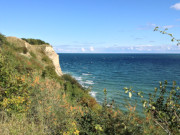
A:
147, 118
115, 114
39, 102
71, 108
98, 127
36, 80
74, 124
76, 132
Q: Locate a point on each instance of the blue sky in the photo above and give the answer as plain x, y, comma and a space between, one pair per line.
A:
94, 26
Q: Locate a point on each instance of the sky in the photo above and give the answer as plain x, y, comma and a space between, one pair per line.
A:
94, 26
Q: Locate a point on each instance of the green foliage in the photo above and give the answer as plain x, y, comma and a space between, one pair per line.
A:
109, 121
25, 50
2, 39
35, 100
72, 80
163, 106
13, 89
34, 41
173, 39
32, 54
46, 59
49, 71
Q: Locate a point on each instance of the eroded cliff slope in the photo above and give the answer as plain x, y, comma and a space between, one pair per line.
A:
39, 52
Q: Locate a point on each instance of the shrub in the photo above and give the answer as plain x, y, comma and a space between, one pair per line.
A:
69, 78
33, 54
2, 39
34, 41
163, 106
14, 90
46, 59
25, 50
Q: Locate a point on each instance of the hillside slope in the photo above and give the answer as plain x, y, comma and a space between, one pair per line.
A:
41, 52
36, 98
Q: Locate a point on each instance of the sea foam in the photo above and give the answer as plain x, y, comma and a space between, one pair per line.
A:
86, 74
93, 93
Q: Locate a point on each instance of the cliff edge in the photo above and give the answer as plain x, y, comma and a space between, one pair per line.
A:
40, 51
55, 59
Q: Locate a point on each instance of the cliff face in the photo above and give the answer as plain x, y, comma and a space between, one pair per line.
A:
55, 59
37, 50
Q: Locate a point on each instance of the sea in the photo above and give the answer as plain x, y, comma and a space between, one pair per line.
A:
114, 72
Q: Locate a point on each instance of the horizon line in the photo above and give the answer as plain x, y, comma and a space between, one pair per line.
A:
121, 53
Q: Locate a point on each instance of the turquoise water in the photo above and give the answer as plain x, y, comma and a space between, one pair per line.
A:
142, 72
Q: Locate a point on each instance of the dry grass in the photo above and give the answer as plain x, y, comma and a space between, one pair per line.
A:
19, 124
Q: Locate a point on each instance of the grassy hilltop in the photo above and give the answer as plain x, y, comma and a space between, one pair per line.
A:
35, 100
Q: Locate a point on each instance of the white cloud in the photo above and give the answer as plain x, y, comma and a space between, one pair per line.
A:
168, 26
131, 48
148, 45
147, 26
169, 48
83, 50
176, 6
153, 25
91, 49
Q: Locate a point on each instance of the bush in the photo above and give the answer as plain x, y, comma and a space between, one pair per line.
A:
46, 59
69, 78
25, 50
33, 54
2, 39
163, 106
14, 90
34, 41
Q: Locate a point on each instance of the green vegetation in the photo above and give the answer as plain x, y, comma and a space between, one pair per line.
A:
162, 106
2, 39
33, 54
34, 41
23, 50
173, 39
35, 100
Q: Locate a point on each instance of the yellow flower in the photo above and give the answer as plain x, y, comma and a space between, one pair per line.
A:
76, 132
73, 124
98, 127
66, 133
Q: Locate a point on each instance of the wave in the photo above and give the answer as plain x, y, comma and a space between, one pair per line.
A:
86, 74
89, 82
93, 93
78, 78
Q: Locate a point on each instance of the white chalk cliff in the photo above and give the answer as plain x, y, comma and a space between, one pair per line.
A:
55, 59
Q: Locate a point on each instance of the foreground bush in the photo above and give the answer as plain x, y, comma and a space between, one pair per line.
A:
34, 41
162, 106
